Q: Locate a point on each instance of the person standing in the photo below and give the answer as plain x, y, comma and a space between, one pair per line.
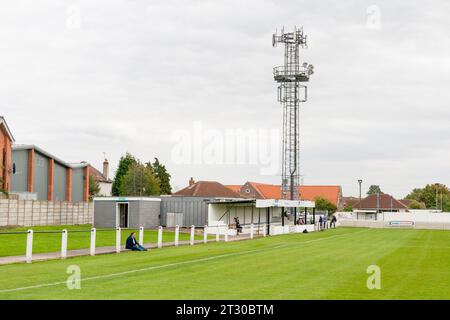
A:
320, 223
333, 222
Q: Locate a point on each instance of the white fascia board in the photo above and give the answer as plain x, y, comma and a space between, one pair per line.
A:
127, 199
268, 203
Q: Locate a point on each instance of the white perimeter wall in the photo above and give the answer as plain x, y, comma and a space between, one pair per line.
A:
43, 213
421, 220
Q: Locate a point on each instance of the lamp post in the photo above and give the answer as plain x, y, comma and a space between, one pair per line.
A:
360, 182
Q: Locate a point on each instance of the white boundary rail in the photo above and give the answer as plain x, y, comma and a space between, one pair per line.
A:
275, 229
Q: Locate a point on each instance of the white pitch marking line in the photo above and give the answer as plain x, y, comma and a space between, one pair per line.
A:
169, 265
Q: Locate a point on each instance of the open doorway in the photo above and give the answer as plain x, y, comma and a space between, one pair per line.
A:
122, 215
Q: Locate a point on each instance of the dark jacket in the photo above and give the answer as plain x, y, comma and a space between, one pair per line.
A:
130, 243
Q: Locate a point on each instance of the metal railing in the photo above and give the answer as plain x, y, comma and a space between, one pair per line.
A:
298, 74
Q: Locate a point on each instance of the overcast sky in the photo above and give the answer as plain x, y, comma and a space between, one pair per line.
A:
79, 78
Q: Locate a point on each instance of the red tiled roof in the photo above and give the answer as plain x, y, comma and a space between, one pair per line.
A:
234, 187
98, 176
385, 202
273, 191
331, 193
267, 191
207, 189
349, 201
406, 202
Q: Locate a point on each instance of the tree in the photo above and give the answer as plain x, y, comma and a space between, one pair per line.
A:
94, 188
348, 208
139, 181
416, 205
323, 204
124, 164
163, 176
435, 196
374, 189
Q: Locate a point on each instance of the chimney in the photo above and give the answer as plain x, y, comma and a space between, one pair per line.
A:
106, 168
191, 181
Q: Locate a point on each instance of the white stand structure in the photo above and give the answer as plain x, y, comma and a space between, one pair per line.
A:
252, 230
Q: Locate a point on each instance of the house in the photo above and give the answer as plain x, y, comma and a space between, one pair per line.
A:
6, 141
39, 175
208, 189
349, 202
102, 179
255, 190
189, 206
380, 202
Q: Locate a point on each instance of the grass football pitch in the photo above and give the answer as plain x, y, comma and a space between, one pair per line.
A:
414, 264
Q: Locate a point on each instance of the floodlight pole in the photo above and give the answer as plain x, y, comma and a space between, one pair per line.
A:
290, 93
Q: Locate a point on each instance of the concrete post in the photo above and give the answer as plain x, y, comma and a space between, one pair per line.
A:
118, 239
93, 234
226, 234
141, 236
218, 234
192, 235
205, 234
160, 231
264, 230
29, 253
177, 234
64, 244
252, 230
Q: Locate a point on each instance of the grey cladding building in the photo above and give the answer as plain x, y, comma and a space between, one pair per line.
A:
126, 212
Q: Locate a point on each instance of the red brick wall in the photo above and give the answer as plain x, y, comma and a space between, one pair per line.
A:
30, 170
86, 184
5, 161
51, 166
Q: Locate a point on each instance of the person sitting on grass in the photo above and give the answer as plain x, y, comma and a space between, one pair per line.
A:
132, 244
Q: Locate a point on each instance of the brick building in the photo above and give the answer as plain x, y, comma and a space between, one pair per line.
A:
35, 174
43, 176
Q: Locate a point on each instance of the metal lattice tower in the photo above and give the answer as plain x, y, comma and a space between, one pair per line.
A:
291, 92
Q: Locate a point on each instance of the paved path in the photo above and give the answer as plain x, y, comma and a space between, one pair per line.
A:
99, 250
